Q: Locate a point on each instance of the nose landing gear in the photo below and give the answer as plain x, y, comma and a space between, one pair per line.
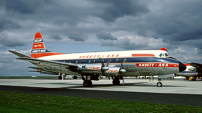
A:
159, 84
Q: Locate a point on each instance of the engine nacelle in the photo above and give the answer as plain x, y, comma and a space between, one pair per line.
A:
115, 71
192, 69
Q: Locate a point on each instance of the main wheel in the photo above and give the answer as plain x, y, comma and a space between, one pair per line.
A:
159, 84
87, 83
60, 77
75, 77
116, 82
193, 79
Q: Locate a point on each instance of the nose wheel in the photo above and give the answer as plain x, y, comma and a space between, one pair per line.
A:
159, 84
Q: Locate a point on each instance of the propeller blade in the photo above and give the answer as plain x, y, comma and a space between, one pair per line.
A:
123, 81
108, 76
102, 62
99, 77
122, 64
108, 62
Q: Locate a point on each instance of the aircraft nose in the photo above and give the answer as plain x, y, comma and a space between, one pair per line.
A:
182, 67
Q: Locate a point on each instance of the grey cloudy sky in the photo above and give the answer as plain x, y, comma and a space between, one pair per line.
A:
70, 26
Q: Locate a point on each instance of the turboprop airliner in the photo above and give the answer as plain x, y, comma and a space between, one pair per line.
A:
193, 70
94, 65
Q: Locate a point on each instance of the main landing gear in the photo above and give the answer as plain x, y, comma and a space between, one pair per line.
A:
86, 82
159, 84
116, 81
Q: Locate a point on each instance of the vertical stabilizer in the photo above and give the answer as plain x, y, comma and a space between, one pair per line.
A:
39, 49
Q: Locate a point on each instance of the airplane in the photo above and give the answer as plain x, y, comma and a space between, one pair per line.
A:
193, 70
94, 65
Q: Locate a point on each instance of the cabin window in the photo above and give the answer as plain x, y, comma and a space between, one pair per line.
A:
124, 60
95, 61
109, 60
89, 61
76, 61
82, 61
70, 61
116, 61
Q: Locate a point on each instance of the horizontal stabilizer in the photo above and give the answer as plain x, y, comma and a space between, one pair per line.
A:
18, 54
34, 67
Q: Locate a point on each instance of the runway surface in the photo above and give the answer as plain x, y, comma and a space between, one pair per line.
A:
141, 90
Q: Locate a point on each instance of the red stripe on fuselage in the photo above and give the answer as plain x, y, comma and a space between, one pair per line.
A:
143, 55
187, 64
37, 55
157, 65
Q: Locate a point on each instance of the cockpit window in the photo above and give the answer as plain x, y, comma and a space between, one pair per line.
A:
160, 55
164, 55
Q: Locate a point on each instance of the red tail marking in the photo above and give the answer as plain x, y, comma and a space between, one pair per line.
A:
38, 35
38, 45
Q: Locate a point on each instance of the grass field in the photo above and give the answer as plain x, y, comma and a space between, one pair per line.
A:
11, 102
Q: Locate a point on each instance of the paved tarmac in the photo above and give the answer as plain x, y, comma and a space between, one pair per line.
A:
178, 91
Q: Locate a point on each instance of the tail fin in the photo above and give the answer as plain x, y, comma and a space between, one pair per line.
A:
39, 49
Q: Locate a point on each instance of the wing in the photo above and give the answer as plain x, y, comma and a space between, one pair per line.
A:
42, 71
52, 66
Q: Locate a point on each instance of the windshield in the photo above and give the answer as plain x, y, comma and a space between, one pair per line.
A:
164, 55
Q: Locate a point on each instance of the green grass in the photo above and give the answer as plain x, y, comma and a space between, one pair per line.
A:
11, 102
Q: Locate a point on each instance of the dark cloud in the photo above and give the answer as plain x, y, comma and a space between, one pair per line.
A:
113, 9
124, 43
106, 36
55, 36
24, 6
8, 24
76, 37
10, 42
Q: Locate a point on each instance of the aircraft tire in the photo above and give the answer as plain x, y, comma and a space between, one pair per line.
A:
75, 77
116, 82
60, 77
159, 84
87, 83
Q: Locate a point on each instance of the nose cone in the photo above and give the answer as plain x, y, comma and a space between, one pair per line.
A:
182, 67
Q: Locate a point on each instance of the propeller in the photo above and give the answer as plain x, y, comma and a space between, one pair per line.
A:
121, 71
104, 68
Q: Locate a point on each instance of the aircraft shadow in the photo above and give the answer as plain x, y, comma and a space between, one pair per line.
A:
136, 84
